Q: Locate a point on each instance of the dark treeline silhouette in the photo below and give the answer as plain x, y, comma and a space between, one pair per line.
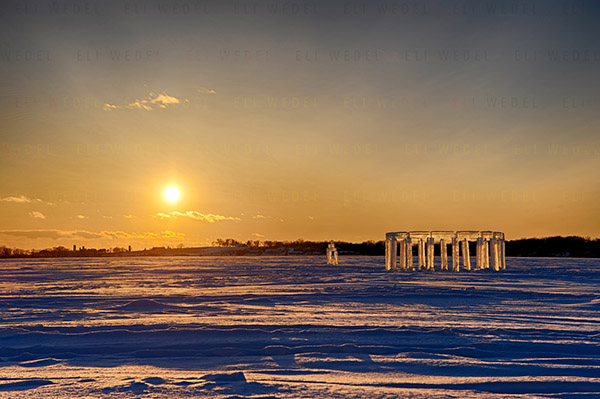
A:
571, 246
302, 246
58, 252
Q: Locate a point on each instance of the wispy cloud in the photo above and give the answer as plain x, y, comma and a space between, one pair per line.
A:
81, 217
128, 216
83, 234
37, 215
151, 102
203, 217
53, 234
122, 235
258, 235
204, 90
21, 199
259, 216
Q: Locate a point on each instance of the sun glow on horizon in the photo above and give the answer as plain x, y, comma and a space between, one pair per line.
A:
172, 194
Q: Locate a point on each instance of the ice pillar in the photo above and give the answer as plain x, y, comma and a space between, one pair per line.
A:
393, 251
465, 254
443, 255
388, 264
402, 245
390, 253
409, 255
430, 244
332, 254
486, 254
479, 252
455, 265
421, 254
498, 250
494, 253
502, 258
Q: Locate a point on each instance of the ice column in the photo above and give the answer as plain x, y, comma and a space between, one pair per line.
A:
486, 254
388, 264
332, 254
430, 243
502, 259
444, 254
390, 251
393, 251
402, 245
421, 254
498, 260
465, 254
479, 252
455, 265
409, 256
494, 253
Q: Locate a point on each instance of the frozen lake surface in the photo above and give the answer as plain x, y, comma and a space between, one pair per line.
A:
293, 327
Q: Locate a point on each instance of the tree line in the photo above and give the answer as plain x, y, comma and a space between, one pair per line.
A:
558, 246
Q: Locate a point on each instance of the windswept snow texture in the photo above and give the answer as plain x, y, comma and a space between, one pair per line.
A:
294, 327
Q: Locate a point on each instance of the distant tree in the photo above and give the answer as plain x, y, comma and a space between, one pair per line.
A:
5, 252
230, 242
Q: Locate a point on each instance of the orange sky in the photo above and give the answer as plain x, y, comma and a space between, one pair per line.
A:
278, 126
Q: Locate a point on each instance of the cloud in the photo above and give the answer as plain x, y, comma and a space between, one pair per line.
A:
86, 234
122, 235
21, 199
128, 216
258, 216
311, 217
151, 102
258, 235
172, 234
37, 215
208, 217
81, 217
82, 234
53, 234
115, 235
204, 90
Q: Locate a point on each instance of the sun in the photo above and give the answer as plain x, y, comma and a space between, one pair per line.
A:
172, 194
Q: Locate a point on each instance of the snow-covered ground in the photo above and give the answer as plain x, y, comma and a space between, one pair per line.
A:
293, 327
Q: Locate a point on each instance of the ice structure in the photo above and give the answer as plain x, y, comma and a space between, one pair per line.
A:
489, 249
332, 254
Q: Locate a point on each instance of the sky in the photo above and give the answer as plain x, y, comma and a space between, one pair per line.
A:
279, 120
